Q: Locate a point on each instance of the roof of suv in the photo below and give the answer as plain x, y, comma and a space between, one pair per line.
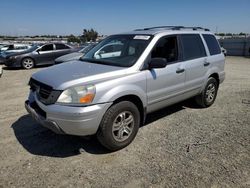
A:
169, 29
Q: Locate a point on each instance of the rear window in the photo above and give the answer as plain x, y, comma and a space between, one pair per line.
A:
212, 44
61, 46
192, 46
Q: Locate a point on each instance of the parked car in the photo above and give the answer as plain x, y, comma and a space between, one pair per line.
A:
111, 95
14, 48
37, 55
75, 55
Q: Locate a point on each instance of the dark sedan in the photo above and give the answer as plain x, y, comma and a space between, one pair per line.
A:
37, 55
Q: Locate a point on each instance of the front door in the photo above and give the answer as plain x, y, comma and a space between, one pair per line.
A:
165, 85
45, 55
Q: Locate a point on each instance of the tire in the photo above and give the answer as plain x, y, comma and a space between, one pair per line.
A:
28, 63
119, 125
208, 95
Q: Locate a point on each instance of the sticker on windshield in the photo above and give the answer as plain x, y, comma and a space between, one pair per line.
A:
142, 37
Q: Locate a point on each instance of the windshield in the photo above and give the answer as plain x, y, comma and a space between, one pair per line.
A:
118, 50
32, 48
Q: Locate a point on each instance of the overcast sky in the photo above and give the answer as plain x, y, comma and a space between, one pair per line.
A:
30, 17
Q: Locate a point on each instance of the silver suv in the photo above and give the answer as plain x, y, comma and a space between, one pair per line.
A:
110, 90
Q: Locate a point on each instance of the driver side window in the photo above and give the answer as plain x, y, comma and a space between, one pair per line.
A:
166, 47
48, 47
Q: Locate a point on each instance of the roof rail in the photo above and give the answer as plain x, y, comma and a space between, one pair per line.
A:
173, 28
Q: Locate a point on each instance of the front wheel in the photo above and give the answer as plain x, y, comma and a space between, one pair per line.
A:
119, 125
28, 63
208, 95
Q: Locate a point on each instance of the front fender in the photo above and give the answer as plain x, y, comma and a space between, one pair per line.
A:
123, 90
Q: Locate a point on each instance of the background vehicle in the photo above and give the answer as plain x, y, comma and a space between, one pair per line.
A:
37, 55
109, 94
75, 55
109, 50
14, 48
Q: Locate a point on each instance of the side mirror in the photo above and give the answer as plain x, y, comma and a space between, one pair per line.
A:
38, 51
157, 63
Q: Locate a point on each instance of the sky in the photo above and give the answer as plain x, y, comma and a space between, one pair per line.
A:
64, 17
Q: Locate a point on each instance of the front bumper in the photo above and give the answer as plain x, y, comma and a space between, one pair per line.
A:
12, 63
61, 119
41, 120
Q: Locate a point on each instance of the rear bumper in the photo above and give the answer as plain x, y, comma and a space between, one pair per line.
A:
1, 70
61, 119
222, 76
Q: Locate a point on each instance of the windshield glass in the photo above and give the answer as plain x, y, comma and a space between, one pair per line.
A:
32, 48
118, 50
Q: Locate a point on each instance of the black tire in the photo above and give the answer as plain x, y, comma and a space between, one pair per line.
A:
204, 100
28, 63
107, 130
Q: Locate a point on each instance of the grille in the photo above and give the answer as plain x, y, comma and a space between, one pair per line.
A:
45, 93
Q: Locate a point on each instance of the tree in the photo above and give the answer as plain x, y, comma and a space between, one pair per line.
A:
89, 35
73, 39
221, 34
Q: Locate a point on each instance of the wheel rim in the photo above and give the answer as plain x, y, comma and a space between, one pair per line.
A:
28, 63
123, 126
210, 93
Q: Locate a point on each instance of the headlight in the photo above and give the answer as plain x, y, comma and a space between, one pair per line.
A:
13, 57
77, 95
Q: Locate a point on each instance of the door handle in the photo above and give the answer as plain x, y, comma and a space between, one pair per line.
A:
206, 63
178, 71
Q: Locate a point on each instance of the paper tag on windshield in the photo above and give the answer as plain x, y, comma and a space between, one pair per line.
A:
141, 37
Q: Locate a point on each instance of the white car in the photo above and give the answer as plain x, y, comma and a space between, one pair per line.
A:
109, 50
14, 48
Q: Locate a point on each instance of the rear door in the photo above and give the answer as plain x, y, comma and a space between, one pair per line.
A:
195, 62
60, 50
165, 85
216, 58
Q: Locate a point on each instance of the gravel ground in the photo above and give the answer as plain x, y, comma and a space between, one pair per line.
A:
180, 146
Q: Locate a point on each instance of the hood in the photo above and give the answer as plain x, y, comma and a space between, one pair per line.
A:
72, 73
69, 57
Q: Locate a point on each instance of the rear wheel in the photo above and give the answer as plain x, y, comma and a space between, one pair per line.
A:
208, 95
119, 125
28, 63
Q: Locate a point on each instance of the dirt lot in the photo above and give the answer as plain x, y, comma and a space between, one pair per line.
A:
180, 146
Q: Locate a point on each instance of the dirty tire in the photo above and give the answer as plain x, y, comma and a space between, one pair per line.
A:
208, 95
119, 115
28, 63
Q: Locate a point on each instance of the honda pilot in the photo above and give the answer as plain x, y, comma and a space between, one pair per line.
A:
110, 90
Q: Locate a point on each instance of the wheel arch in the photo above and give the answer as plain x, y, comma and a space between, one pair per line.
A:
137, 102
28, 57
216, 77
